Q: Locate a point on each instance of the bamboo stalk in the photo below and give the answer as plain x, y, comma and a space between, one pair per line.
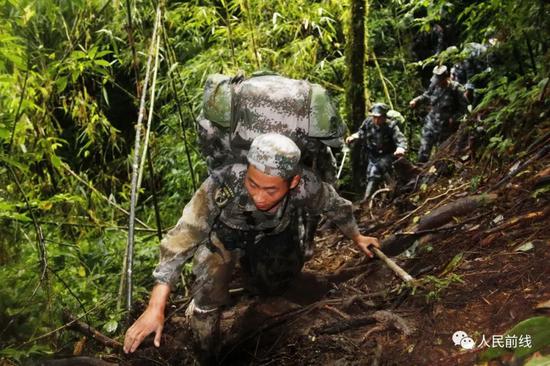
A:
135, 164
252, 33
149, 117
17, 113
130, 30
155, 200
382, 79
230, 32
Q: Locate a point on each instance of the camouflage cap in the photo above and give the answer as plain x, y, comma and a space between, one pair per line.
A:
274, 155
379, 109
440, 71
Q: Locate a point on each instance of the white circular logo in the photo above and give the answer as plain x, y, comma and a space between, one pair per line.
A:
458, 336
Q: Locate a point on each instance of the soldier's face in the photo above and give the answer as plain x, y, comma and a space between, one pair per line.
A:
267, 191
378, 120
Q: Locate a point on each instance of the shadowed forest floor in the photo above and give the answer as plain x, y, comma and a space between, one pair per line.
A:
484, 274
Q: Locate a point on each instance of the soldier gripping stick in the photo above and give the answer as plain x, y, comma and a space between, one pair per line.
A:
245, 212
382, 141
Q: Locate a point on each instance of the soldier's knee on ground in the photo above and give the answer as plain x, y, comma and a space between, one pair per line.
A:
213, 268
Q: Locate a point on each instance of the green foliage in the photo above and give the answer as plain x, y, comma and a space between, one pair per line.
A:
433, 287
68, 104
537, 328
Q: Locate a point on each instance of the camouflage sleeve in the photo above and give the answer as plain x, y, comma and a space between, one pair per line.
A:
362, 132
192, 228
321, 198
423, 98
398, 137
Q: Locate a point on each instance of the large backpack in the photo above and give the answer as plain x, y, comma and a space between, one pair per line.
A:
236, 110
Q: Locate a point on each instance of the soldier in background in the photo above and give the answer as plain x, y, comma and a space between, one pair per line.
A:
447, 104
475, 62
247, 211
382, 141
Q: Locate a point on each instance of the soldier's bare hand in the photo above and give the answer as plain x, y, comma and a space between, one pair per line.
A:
352, 138
412, 103
399, 152
364, 242
152, 320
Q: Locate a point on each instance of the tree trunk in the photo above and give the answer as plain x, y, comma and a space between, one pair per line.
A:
355, 86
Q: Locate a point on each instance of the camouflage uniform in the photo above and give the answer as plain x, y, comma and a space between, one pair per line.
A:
476, 61
236, 110
447, 104
379, 143
221, 221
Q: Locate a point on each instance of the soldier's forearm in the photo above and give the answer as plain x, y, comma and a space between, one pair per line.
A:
159, 297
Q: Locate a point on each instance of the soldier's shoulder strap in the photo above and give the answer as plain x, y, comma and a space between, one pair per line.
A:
224, 192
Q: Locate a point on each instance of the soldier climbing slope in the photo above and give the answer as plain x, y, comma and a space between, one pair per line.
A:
447, 104
247, 211
382, 141
235, 110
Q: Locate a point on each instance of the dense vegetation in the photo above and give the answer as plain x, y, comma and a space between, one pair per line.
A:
71, 78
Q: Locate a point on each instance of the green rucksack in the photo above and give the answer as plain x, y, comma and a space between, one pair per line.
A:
236, 110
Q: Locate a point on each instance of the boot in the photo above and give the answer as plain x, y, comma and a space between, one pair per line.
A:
205, 325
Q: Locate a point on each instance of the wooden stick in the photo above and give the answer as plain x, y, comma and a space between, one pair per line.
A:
392, 265
90, 331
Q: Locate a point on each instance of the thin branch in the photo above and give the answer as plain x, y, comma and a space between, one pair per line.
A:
135, 164
17, 113
39, 234
382, 80
91, 331
101, 195
171, 61
431, 199
45, 335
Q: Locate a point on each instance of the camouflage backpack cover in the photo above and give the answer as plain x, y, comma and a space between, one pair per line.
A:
236, 110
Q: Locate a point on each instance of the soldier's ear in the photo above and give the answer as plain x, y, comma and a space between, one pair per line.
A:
295, 181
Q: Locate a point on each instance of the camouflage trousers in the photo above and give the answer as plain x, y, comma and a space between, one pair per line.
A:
431, 135
377, 168
271, 263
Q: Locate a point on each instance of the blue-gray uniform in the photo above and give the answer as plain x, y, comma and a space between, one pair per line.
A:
380, 143
447, 105
380, 139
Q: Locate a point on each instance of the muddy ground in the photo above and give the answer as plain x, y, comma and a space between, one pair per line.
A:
484, 273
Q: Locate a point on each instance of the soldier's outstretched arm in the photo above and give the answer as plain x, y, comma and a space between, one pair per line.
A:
175, 249
152, 320
399, 138
321, 198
